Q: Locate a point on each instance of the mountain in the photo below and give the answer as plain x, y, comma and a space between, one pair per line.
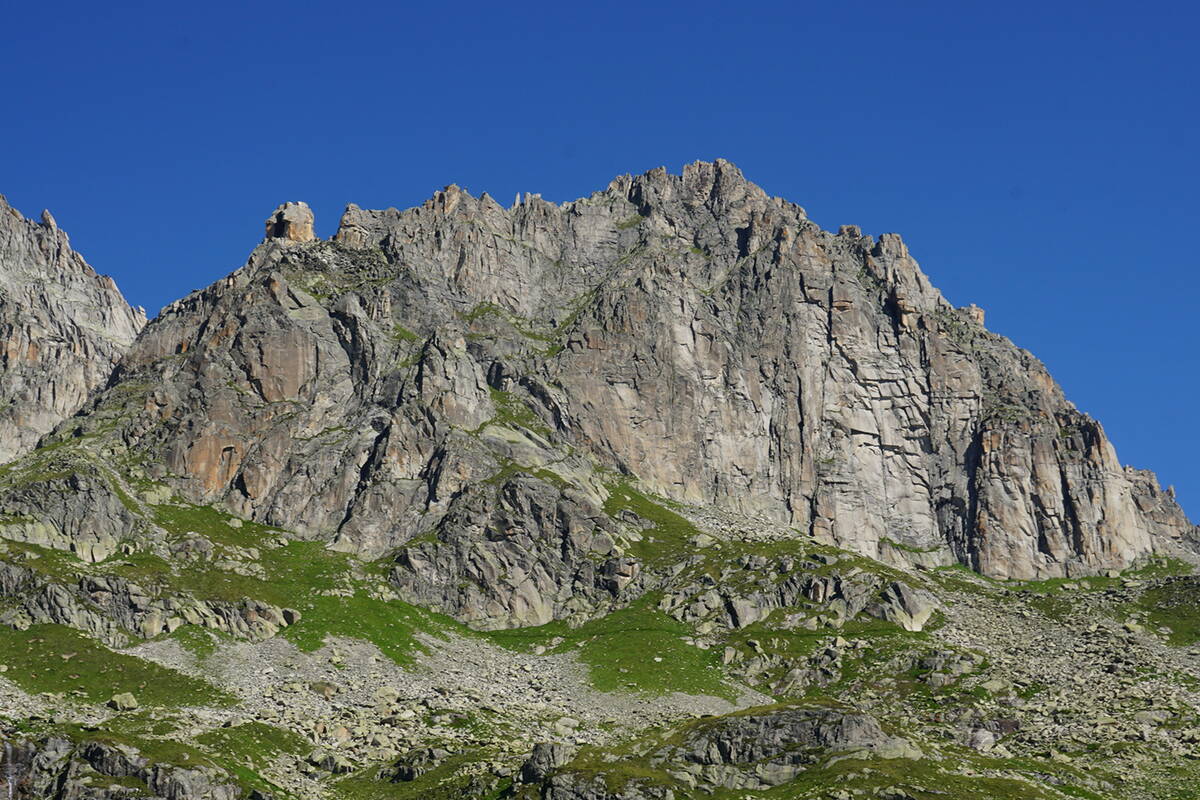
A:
64, 328
663, 492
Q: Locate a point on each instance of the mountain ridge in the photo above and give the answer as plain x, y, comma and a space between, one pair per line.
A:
720, 187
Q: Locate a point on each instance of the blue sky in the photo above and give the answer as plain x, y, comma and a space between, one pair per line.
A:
1040, 159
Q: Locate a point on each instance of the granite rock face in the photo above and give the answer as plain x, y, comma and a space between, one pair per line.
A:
62, 329
462, 385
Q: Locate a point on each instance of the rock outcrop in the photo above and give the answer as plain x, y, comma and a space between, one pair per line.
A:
753, 750
291, 221
62, 329
58, 769
758, 750
110, 608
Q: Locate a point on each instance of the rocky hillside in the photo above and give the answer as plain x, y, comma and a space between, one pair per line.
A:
664, 492
63, 329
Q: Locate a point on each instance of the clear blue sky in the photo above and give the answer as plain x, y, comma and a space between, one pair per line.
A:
1039, 158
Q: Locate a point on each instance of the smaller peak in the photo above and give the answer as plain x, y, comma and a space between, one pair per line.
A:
728, 168
891, 245
718, 169
48, 219
448, 199
292, 221
719, 181
6, 207
620, 185
352, 228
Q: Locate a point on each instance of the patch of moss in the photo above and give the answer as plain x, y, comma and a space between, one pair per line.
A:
514, 412
403, 334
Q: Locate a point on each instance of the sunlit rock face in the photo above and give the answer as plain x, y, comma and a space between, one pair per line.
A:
292, 222
62, 329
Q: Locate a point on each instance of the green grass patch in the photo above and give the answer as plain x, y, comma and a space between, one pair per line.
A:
322, 586
294, 572
55, 658
254, 744
1161, 567
446, 781
514, 412
139, 567
1174, 605
403, 334
150, 737
391, 625
200, 642
58, 565
637, 649
926, 779
663, 544
330, 589
212, 525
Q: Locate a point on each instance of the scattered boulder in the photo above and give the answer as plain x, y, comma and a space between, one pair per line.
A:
546, 757
415, 763
906, 606
333, 762
125, 701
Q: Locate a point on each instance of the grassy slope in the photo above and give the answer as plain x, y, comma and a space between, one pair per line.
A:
57, 659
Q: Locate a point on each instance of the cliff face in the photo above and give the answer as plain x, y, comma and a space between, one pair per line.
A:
62, 329
688, 331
